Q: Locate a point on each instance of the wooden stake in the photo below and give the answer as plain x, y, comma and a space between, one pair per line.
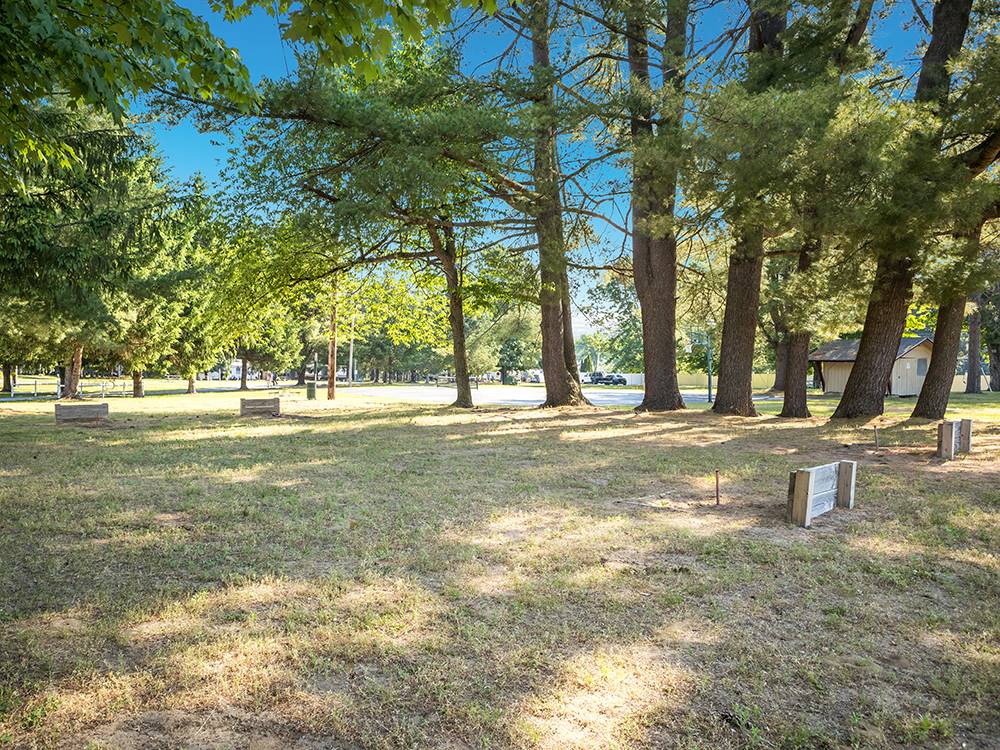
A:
876, 439
716, 486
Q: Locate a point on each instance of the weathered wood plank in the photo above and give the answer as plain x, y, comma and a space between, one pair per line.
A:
846, 477
965, 436
66, 413
949, 439
267, 407
791, 495
801, 497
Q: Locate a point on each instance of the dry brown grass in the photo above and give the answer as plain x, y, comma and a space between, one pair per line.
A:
363, 576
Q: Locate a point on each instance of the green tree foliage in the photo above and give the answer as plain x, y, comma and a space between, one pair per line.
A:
592, 347
202, 334
98, 54
75, 232
101, 54
90, 247
493, 328
145, 316
512, 357
399, 322
351, 32
314, 336
614, 308
26, 334
270, 339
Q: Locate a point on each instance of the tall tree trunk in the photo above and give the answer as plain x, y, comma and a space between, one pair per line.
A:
781, 355
7, 379
192, 387
989, 313
864, 394
994, 352
654, 250
734, 394
138, 387
561, 387
300, 371
973, 378
331, 353
243, 375
447, 254
71, 387
569, 342
796, 339
936, 390
796, 374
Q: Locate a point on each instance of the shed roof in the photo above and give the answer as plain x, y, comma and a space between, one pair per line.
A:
846, 350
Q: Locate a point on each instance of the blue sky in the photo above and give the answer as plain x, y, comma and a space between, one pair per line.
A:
185, 150
258, 39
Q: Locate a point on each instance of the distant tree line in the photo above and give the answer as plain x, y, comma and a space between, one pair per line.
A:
761, 185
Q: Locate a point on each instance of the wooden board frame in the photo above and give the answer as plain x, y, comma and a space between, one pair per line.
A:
819, 489
260, 407
954, 437
69, 413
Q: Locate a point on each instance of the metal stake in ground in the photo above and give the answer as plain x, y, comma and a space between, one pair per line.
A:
716, 486
876, 438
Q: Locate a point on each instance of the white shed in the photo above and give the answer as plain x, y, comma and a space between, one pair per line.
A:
835, 360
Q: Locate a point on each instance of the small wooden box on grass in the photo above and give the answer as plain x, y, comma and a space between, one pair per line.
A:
260, 407
70, 413
954, 436
818, 490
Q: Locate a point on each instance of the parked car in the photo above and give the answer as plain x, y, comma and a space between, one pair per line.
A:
611, 378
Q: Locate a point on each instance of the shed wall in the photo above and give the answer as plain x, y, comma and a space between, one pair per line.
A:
835, 376
908, 374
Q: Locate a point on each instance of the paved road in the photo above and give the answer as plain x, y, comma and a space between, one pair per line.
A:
494, 395
505, 395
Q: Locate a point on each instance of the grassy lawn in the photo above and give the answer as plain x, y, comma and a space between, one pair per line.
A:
367, 576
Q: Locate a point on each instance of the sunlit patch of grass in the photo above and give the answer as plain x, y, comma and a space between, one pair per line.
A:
606, 698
